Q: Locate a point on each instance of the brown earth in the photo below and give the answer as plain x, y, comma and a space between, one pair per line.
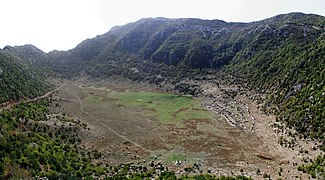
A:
123, 134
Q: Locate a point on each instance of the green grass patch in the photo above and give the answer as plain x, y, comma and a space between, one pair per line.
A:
93, 98
175, 157
167, 108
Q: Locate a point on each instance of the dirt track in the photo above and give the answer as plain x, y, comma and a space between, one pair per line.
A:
9, 105
109, 128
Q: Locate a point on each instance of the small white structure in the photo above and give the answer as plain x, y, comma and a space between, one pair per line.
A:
178, 162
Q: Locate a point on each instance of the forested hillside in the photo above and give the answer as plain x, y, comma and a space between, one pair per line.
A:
19, 81
293, 74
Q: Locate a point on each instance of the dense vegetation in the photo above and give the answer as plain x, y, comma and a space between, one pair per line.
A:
18, 81
31, 147
316, 168
293, 74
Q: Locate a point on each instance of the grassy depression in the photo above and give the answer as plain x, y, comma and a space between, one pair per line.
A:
92, 98
167, 108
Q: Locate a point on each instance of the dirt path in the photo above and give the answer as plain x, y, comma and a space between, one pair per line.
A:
9, 105
109, 128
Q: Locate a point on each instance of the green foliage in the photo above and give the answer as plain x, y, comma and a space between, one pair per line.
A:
18, 81
316, 168
29, 145
198, 177
294, 73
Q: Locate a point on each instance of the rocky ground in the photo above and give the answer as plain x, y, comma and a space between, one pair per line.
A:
241, 108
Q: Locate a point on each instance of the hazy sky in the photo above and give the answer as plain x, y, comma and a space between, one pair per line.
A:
62, 24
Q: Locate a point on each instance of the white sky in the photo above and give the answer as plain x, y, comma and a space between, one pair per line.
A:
62, 24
